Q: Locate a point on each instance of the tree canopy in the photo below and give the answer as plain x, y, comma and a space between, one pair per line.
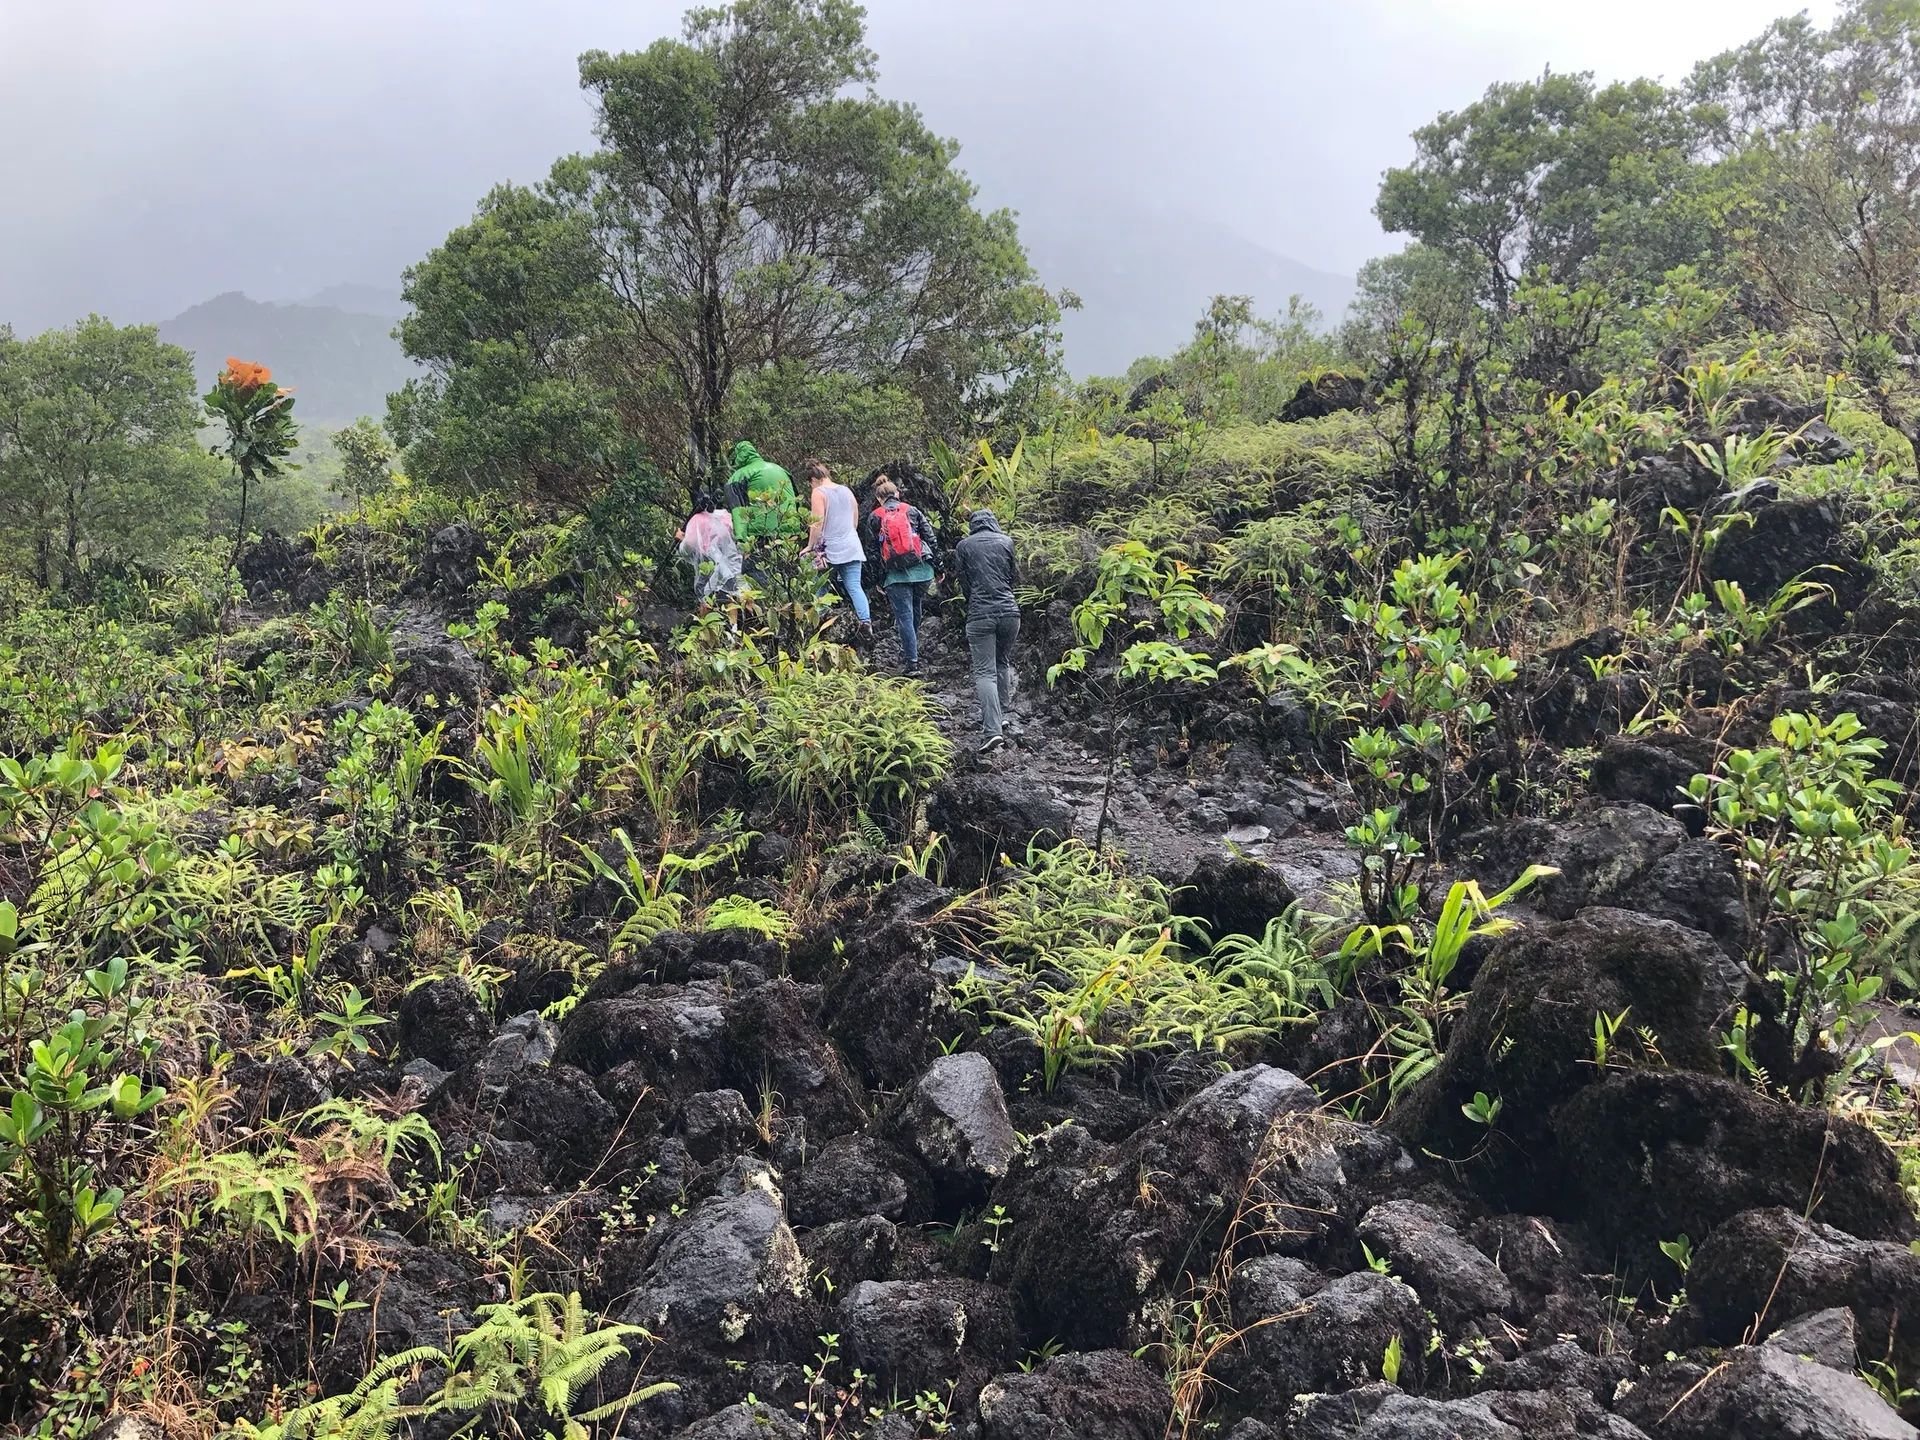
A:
756, 211
98, 456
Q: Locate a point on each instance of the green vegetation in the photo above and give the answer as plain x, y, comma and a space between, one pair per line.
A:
1621, 449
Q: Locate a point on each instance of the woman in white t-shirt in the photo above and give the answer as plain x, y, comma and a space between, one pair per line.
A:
833, 539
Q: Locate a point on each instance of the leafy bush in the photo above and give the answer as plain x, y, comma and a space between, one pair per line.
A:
839, 743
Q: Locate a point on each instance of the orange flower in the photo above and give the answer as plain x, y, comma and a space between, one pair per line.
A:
245, 375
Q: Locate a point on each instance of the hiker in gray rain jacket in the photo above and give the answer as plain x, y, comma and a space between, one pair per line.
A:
984, 565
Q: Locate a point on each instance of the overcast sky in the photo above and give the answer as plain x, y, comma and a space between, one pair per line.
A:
157, 152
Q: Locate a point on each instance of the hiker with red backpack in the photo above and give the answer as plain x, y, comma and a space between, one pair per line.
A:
905, 542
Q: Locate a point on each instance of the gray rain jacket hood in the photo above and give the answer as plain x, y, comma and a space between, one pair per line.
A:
984, 565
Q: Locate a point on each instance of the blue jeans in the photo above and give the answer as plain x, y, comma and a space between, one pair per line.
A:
847, 577
906, 599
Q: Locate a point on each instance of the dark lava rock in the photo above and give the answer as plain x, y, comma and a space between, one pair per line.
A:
1453, 1279
849, 1251
1230, 895
715, 1125
1761, 1394
1098, 1234
954, 1120
1787, 538
556, 1109
433, 663
1103, 1393
525, 1041
451, 562
916, 1335
1630, 856
1562, 1367
745, 1421
1650, 1154
984, 813
722, 1269
678, 1040
1653, 770
1526, 1037
882, 1006
1383, 1412
419, 1294
274, 564
442, 1021
1302, 1335
1826, 1337
855, 1175
1324, 395
1773, 1264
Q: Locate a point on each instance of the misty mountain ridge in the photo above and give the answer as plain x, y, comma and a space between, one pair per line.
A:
341, 363
1143, 278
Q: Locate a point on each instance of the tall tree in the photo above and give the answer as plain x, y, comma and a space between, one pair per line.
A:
755, 205
1550, 173
98, 458
1823, 130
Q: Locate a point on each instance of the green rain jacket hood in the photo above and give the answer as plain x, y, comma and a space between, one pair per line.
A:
764, 492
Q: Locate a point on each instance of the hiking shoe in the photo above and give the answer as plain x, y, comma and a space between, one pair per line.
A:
991, 744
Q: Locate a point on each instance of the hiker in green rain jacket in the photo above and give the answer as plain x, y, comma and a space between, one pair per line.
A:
761, 494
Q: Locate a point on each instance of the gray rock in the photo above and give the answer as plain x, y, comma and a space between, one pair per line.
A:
524, 1041
1758, 1393
1826, 1337
955, 1120
744, 1422
723, 1265
1455, 1280
715, 1124
1082, 1393
1332, 1339
915, 1335
1775, 1264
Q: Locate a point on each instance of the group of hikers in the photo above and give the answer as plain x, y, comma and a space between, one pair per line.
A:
726, 539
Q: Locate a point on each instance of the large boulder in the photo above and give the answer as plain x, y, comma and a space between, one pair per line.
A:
984, 814
1230, 895
1074, 1396
1526, 1038
1630, 856
1651, 1154
1301, 1334
1384, 1412
1097, 1234
1653, 769
918, 1335
1765, 1268
442, 1021
954, 1120
1454, 1280
1761, 1393
724, 1268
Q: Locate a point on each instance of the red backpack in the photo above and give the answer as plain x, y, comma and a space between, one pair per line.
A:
900, 545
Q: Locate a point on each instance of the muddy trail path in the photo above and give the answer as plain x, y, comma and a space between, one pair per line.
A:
1168, 809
